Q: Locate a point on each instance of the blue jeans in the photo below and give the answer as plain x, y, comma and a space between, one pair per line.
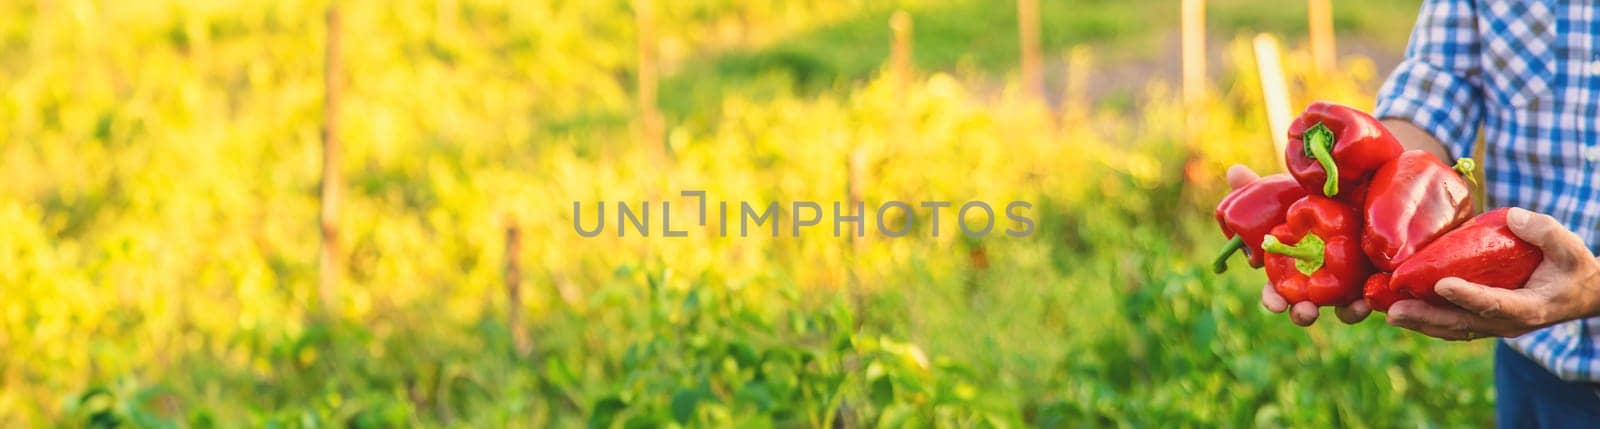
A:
1529, 396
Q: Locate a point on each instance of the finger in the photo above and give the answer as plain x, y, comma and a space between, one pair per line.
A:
1353, 313
1272, 301
1445, 322
1492, 303
1447, 334
1424, 318
1558, 243
1240, 175
1303, 313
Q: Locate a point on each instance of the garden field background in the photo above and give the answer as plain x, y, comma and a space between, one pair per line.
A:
160, 165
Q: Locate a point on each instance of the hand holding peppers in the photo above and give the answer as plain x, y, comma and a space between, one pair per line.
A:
1438, 272
1563, 287
1482, 251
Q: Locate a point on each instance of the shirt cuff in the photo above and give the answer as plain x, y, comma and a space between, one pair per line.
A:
1440, 102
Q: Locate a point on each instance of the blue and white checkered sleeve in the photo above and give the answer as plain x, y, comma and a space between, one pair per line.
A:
1438, 86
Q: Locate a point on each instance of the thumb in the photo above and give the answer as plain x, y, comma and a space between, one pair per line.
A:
1240, 175
1490, 302
1543, 231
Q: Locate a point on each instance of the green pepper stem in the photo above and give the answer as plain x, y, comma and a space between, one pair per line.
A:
1220, 264
1318, 142
1308, 252
1465, 166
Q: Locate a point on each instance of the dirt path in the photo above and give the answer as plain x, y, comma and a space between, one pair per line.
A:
1128, 76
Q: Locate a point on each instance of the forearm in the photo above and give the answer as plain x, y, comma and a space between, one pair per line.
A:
1413, 137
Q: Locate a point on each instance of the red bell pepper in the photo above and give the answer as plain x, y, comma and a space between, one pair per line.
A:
1482, 251
1379, 295
1251, 211
1316, 254
1411, 201
1334, 147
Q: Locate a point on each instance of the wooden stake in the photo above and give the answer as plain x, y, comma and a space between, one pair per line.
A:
329, 271
1194, 86
513, 279
900, 61
1323, 54
856, 169
1274, 92
855, 174
1194, 50
1028, 33
650, 125
1075, 93
900, 51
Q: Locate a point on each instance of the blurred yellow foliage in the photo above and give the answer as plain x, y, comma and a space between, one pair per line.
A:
161, 161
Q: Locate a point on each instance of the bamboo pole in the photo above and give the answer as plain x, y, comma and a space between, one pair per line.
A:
1274, 92
1323, 53
1028, 35
332, 182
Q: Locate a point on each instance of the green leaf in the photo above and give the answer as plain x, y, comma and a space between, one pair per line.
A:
798, 323
202, 419
557, 372
645, 421
604, 411
897, 416
758, 394
631, 357
882, 391
743, 354
843, 342
683, 405
691, 302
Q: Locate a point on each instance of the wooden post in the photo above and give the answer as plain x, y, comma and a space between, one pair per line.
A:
1274, 92
856, 170
329, 271
513, 278
1195, 86
900, 62
650, 126
1028, 33
1075, 93
900, 51
855, 174
1323, 53
1194, 50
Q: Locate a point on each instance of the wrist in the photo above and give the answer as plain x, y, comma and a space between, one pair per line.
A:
1588, 288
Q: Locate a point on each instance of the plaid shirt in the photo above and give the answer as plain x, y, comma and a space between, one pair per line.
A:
1528, 73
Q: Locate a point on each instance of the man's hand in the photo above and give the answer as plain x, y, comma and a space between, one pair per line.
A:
1563, 287
1304, 313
